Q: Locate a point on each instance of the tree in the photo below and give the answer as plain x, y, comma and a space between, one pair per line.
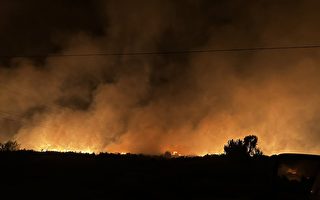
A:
167, 154
9, 146
243, 148
250, 142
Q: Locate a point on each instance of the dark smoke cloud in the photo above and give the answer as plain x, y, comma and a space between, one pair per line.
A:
191, 103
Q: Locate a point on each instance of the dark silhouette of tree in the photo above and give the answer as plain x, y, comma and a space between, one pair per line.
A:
250, 143
9, 146
167, 154
243, 148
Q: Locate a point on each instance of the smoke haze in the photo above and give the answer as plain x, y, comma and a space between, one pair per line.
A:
190, 103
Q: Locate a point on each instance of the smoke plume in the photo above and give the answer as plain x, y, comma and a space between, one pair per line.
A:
190, 103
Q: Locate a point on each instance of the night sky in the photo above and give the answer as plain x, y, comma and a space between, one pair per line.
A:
186, 102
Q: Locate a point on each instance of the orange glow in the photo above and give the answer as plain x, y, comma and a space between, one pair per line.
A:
292, 171
192, 122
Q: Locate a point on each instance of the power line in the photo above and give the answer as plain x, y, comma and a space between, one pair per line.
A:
141, 53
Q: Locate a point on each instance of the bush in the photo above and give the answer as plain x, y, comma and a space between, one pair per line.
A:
243, 148
9, 146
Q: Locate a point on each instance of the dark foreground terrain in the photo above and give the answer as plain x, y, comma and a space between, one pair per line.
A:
52, 175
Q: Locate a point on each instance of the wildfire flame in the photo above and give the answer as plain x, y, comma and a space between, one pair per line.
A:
49, 147
175, 154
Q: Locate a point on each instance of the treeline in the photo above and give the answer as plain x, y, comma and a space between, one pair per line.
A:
238, 148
